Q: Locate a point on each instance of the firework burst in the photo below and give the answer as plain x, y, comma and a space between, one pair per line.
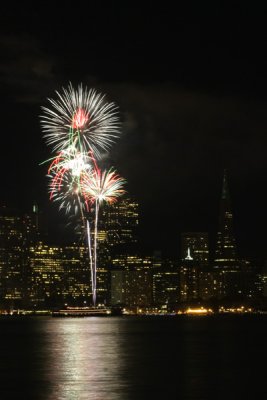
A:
99, 187
79, 126
82, 118
65, 173
65, 189
69, 160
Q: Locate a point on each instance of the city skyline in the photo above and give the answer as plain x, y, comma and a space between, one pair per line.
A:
35, 273
125, 231
191, 91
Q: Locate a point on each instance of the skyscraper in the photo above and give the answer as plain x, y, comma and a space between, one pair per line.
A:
197, 245
165, 281
58, 274
120, 221
131, 281
195, 274
17, 233
225, 252
117, 233
226, 264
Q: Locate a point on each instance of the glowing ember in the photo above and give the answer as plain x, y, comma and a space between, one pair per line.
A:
80, 119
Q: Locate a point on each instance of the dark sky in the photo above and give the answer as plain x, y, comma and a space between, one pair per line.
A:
191, 87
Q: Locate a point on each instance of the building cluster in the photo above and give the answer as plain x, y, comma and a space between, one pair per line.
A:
36, 275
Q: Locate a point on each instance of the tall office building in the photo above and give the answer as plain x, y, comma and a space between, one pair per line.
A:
131, 281
195, 274
226, 265
58, 274
46, 275
118, 226
197, 245
117, 233
103, 274
166, 285
17, 232
119, 222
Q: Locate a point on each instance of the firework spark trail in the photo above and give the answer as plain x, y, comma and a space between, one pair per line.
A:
86, 225
82, 117
95, 250
90, 257
99, 187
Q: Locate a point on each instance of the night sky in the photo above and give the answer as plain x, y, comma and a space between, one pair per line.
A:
191, 86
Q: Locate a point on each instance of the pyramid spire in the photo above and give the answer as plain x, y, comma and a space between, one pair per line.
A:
225, 190
225, 247
226, 263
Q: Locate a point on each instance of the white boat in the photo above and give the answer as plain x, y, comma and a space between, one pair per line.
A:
82, 312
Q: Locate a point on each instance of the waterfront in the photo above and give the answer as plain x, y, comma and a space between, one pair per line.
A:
121, 358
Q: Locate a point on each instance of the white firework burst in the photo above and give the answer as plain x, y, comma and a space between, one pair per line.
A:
82, 118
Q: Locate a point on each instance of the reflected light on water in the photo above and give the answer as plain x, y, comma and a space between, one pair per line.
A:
85, 359
132, 358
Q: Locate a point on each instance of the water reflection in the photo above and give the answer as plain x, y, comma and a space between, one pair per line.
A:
85, 359
132, 358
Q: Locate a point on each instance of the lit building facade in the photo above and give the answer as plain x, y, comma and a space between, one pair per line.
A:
17, 233
197, 244
103, 274
196, 279
117, 290
118, 234
131, 281
166, 285
120, 222
58, 274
